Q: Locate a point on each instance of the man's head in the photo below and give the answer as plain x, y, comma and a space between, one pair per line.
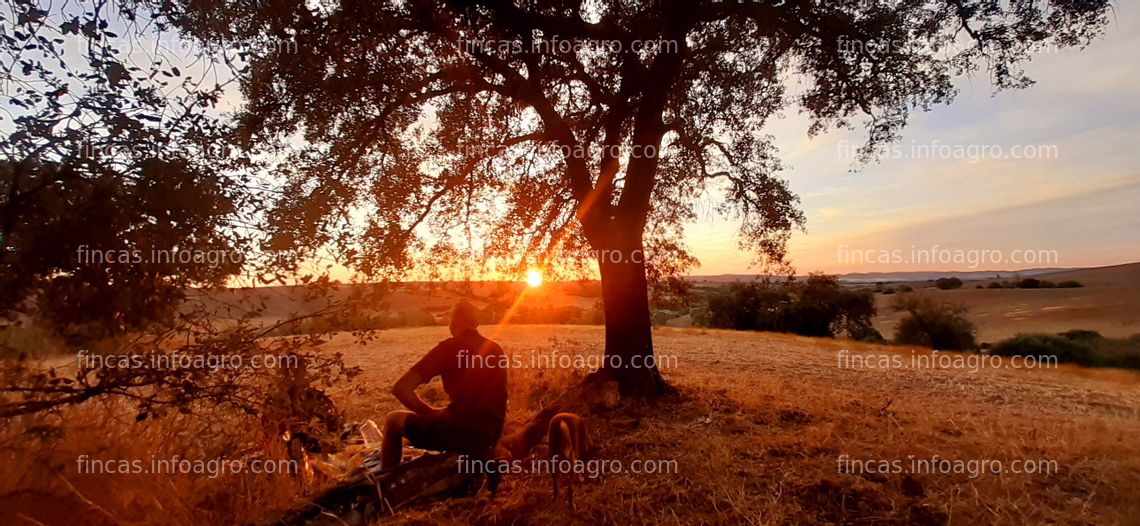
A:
464, 317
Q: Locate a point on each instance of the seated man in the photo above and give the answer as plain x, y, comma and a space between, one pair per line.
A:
475, 379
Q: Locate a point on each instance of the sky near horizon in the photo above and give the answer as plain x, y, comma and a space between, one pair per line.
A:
1041, 177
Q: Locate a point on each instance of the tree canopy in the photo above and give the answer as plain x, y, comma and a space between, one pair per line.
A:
403, 125
111, 157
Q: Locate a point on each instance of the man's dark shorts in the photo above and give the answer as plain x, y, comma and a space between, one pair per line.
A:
445, 433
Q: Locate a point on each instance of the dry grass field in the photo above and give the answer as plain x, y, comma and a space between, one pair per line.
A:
764, 428
759, 432
1109, 303
760, 422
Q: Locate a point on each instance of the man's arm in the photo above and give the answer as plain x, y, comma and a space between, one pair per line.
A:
405, 392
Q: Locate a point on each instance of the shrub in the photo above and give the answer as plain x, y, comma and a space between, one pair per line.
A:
937, 325
995, 285
1069, 284
1033, 283
549, 315
1064, 349
1081, 335
818, 306
353, 322
906, 288
867, 334
948, 283
1081, 347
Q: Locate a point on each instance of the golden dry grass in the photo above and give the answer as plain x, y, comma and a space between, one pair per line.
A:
760, 420
1002, 313
49, 475
756, 429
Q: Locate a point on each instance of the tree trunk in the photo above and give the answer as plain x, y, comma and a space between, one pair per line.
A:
629, 357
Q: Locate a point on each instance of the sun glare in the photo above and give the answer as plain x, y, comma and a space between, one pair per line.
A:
533, 278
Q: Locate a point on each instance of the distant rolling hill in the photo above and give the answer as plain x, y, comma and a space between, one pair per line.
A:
1109, 302
899, 277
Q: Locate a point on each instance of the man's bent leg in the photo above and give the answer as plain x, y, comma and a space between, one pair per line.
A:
392, 447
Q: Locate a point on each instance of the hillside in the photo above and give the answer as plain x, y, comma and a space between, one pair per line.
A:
1108, 303
761, 422
1126, 274
764, 429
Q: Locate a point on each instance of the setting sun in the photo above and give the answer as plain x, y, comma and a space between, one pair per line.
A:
533, 278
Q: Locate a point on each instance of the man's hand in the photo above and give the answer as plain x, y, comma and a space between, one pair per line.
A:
405, 392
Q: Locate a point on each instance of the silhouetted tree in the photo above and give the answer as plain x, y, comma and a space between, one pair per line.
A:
410, 128
119, 195
115, 182
951, 283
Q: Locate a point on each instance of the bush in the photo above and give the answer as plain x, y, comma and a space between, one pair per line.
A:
1069, 284
1081, 335
1033, 283
995, 285
818, 306
948, 283
906, 288
1040, 345
937, 325
867, 334
353, 322
1081, 347
550, 315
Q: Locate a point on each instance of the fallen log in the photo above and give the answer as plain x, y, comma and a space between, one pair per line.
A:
363, 497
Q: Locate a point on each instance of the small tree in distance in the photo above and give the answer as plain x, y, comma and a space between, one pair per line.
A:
950, 283
929, 323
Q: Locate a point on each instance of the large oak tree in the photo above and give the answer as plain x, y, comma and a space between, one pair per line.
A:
408, 129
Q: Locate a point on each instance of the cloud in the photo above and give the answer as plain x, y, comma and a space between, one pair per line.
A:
1078, 200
